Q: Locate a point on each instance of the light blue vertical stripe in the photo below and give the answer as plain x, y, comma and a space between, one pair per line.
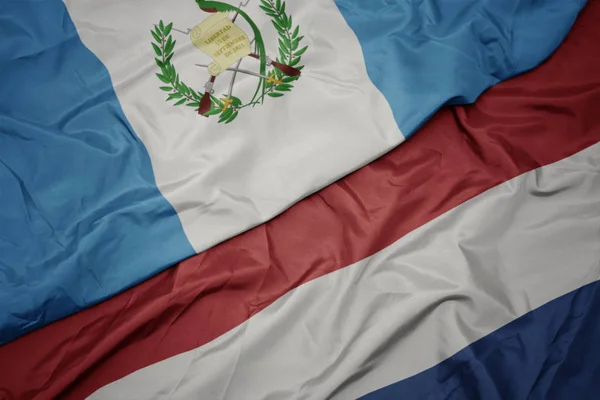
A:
423, 54
81, 217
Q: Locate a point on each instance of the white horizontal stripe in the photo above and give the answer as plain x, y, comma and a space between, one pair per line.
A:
405, 309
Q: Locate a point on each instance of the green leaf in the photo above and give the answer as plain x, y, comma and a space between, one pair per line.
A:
165, 71
162, 26
279, 28
266, 9
170, 45
300, 68
157, 50
282, 53
174, 96
166, 88
169, 57
193, 104
265, 3
158, 33
233, 116
284, 87
162, 78
196, 95
155, 36
289, 22
168, 29
180, 102
217, 101
280, 19
287, 42
295, 61
186, 89
278, 4
275, 94
301, 51
212, 111
226, 114
283, 46
289, 79
295, 43
296, 31
282, 10
236, 101
159, 63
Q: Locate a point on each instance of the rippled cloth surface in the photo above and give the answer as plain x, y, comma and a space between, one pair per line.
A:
462, 156
423, 54
104, 184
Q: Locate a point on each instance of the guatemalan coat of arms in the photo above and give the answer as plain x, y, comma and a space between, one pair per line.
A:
228, 45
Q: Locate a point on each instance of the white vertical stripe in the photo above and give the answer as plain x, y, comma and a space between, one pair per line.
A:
224, 179
410, 306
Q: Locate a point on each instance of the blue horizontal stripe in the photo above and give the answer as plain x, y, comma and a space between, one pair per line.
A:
423, 54
81, 218
550, 353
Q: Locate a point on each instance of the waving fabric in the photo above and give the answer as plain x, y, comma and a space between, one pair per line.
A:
134, 135
462, 264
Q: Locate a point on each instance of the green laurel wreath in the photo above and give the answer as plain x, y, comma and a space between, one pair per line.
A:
289, 53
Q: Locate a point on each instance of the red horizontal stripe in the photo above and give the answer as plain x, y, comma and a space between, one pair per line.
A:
519, 125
